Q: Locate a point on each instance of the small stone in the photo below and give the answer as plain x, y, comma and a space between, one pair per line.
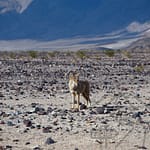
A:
49, 110
137, 115
40, 111
22, 92
8, 147
49, 141
138, 95
32, 127
10, 97
27, 143
37, 148
1, 95
38, 126
19, 82
92, 112
83, 106
27, 123
39, 88
100, 110
33, 105
46, 129
9, 123
104, 122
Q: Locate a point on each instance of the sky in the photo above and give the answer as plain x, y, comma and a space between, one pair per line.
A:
72, 24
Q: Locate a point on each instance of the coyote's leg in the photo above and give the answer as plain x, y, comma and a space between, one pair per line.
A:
78, 101
88, 101
73, 100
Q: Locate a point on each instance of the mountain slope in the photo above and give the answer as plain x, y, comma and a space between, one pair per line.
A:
141, 45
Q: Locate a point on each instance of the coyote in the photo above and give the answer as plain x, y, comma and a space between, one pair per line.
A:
78, 87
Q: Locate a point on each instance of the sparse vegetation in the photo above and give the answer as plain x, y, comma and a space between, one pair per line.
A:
139, 68
127, 54
33, 54
12, 55
81, 54
68, 53
51, 54
109, 53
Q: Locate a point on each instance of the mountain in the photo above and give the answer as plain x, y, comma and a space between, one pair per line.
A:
141, 45
59, 19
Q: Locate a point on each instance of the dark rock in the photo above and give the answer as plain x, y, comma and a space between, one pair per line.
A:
137, 95
34, 105
27, 143
63, 117
49, 141
39, 88
10, 97
140, 147
26, 130
137, 115
100, 110
27, 123
83, 106
119, 113
37, 148
92, 112
104, 122
47, 129
9, 123
19, 82
32, 127
49, 109
70, 118
16, 140
22, 92
38, 126
40, 111
116, 94
8, 147
108, 109
1, 95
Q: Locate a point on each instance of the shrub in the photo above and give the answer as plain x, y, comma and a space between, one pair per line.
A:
12, 55
53, 53
110, 53
81, 54
68, 53
139, 68
127, 54
33, 54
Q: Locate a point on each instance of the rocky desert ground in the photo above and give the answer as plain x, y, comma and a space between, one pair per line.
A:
35, 103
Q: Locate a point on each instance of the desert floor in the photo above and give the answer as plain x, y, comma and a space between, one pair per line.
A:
35, 103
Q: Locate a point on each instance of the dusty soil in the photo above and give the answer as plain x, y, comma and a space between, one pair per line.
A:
35, 103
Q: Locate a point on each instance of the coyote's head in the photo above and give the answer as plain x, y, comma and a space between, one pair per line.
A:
73, 80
